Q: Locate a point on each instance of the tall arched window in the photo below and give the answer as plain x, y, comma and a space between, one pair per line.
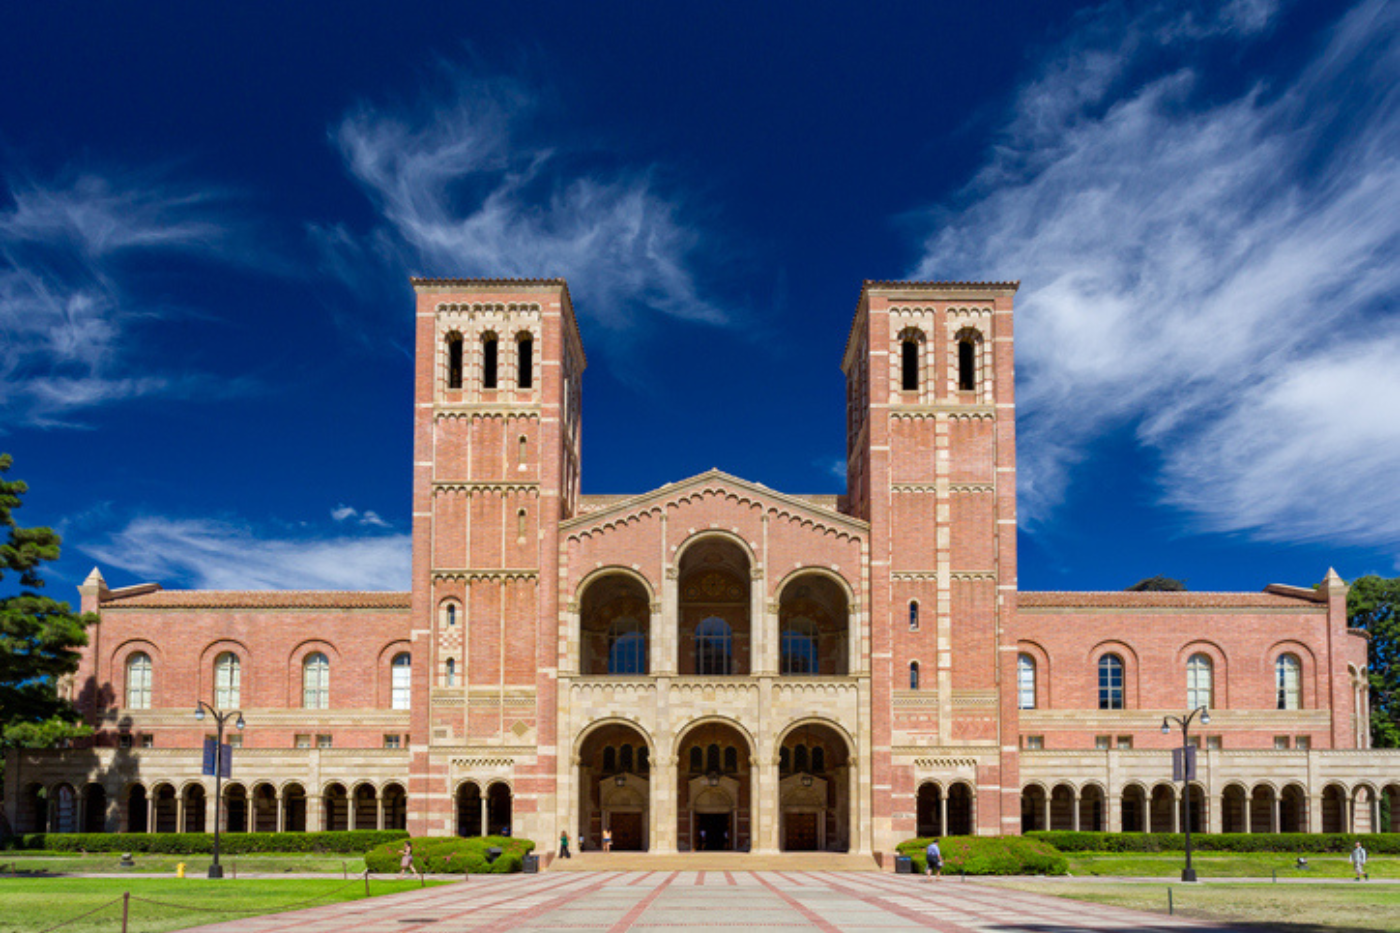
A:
913, 615
610, 759
1289, 682
489, 347
913, 675
967, 364
731, 760
909, 364
624, 757
525, 358
451, 672
627, 647
454, 361
138, 681
799, 647
1200, 685
451, 613
1025, 681
400, 681
714, 647
228, 692
316, 681
1110, 682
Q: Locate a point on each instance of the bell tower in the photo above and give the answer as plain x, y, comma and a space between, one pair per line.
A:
496, 468
931, 466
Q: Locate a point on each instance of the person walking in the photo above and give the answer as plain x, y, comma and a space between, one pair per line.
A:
406, 858
1358, 861
564, 845
933, 859
607, 840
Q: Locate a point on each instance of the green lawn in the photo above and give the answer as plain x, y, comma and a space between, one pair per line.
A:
33, 904
1285, 908
1224, 865
69, 863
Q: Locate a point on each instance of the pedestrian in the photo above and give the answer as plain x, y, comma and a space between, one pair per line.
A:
406, 858
607, 840
933, 859
1358, 861
564, 845
702, 840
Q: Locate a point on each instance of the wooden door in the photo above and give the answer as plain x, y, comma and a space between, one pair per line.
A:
626, 831
801, 832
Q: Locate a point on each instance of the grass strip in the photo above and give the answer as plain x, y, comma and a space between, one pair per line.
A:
1224, 865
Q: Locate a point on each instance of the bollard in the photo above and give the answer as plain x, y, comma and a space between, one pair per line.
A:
344, 873
235, 869
366, 882
1171, 909
1275, 876
126, 908
180, 870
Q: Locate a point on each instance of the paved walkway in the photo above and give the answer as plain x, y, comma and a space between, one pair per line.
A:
618, 902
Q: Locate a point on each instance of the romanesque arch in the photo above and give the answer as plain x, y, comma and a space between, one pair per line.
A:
614, 786
715, 579
815, 767
813, 625
715, 787
615, 624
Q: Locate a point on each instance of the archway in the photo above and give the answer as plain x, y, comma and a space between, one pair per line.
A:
714, 796
65, 816
1091, 808
264, 809
395, 806
136, 809
335, 808
166, 814
1261, 809
471, 812
614, 787
1134, 809
1033, 808
498, 809
34, 809
365, 814
1293, 810
1163, 811
813, 627
1390, 809
236, 808
1199, 813
1334, 809
961, 802
1233, 807
814, 779
94, 808
194, 808
715, 627
929, 810
294, 808
614, 620
1062, 808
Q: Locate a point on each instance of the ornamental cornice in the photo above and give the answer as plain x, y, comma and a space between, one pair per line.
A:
472, 576
471, 487
914, 576
973, 575
443, 411
971, 487
483, 764
914, 487
953, 411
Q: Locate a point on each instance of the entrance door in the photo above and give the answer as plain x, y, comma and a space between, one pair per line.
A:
712, 832
626, 831
801, 832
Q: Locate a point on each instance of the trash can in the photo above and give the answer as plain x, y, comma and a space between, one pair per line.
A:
903, 865
493, 853
530, 864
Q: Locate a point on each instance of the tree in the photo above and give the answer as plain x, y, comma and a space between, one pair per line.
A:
1374, 606
38, 635
1158, 585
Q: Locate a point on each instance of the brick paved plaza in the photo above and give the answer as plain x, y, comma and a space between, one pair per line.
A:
701, 900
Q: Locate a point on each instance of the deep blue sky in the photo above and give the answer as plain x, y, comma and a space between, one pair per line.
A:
208, 216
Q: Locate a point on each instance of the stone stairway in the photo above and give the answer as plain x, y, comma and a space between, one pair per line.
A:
714, 861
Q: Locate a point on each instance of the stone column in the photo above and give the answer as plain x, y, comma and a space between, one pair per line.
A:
1078, 802
1049, 797
765, 806
485, 812
1176, 810
1215, 817
281, 806
663, 803
1113, 811
179, 813
668, 641
1348, 814
942, 812
379, 811
1249, 812
1274, 807
314, 805
854, 809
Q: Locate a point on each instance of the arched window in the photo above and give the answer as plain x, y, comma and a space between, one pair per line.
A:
913, 615
818, 759
1199, 682
909, 364
525, 357
1025, 681
967, 364
799, 759
627, 647
913, 675
799, 647
520, 524
643, 759
731, 760
1287, 677
712, 758
714, 647
400, 681
609, 759
138, 681
454, 361
488, 361
784, 760
451, 614
316, 681
1110, 682
451, 672
624, 757
228, 691
524, 451
697, 760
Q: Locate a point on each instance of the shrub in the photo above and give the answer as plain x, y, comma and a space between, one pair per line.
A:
354, 842
990, 855
453, 855
1304, 843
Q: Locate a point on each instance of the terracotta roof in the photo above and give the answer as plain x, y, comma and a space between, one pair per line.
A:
896, 283
425, 280
1168, 600
264, 599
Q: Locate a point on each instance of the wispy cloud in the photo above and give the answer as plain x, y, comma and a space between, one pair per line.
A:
209, 554
347, 513
465, 189
1220, 274
66, 313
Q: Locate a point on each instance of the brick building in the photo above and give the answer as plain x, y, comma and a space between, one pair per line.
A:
715, 664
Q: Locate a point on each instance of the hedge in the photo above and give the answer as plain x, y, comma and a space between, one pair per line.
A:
989, 855
1375, 843
353, 842
453, 855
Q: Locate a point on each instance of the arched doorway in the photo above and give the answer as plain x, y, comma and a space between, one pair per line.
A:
335, 808
65, 816
714, 796
1062, 808
236, 808
294, 808
715, 627
614, 619
395, 806
813, 627
471, 814
166, 813
136, 809
1334, 809
1199, 812
1261, 809
814, 800
962, 801
498, 809
1164, 803
366, 811
1091, 810
34, 809
614, 786
1134, 809
1033, 808
94, 808
1293, 810
194, 808
264, 809
929, 811
1233, 805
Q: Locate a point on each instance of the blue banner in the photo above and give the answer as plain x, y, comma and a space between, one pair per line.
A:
209, 753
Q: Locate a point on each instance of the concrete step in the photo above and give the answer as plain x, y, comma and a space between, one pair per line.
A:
714, 861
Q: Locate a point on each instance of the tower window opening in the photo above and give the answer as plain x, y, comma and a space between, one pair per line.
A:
451, 672
454, 361
520, 524
913, 615
525, 358
488, 361
909, 356
967, 364
913, 675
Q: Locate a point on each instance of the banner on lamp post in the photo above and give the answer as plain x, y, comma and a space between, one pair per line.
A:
1184, 763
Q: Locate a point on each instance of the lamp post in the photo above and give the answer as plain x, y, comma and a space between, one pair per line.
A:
1187, 773
216, 870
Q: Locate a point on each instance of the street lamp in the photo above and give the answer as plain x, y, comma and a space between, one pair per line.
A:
1187, 773
216, 870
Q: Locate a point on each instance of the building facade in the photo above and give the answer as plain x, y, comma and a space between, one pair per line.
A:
715, 664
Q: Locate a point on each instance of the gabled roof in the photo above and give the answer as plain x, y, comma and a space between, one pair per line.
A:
710, 478
1127, 600
257, 599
